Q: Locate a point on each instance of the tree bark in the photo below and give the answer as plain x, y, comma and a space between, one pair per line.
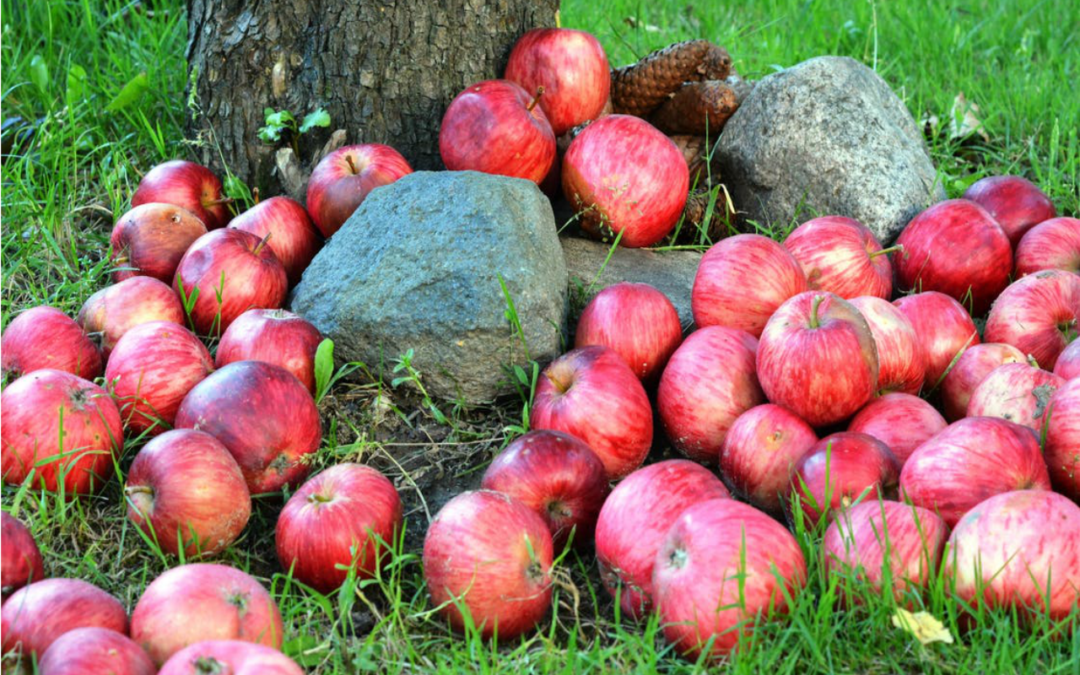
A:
384, 70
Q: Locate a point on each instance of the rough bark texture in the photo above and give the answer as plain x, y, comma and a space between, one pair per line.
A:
384, 70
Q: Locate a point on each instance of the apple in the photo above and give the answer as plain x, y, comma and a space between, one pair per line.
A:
556, 475
1039, 315
944, 329
817, 358
592, 394
1017, 392
203, 601
974, 364
635, 320
345, 177
1017, 551
490, 556
885, 542
625, 178
149, 240
634, 520
270, 435
572, 68
272, 336
742, 281
293, 237
760, 451
497, 127
188, 185
841, 469
229, 657
710, 546
1068, 363
150, 371
1062, 445
93, 651
116, 309
346, 517
63, 429
22, 563
1052, 244
901, 421
710, 380
231, 271
44, 337
184, 490
1014, 202
901, 367
842, 256
955, 247
971, 460
36, 615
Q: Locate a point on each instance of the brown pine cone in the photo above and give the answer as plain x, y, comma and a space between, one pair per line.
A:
695, 151
641, 87
700, 108
717, 64
697, 204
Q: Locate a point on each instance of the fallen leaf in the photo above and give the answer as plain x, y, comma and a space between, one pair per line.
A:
963, 121
923, 626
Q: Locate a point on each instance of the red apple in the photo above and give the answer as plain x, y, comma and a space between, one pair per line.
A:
710, 380
742, 281
1039, 315
710, 546
184, 490
1068, 363
270, 435
971, 460
231, 271
188, 185
842, 256
956, 248
44, 337
95, 651
272, 336
229, 657
556, 475
1014, 202
1052, 244
634, 520
22, 562
901, 421
152, 368
974, 364
64, 429
150, 240
944, 329
817, 358
346, 517
1018, 550
760, 451
901, 367
36, 615
592, 394
116, 309
572, 68
624, 176
885, 542
841, 469
293, 237
490, 555
1017, 392
635, 320
497, 127
345, 177
203, 601
1062, 446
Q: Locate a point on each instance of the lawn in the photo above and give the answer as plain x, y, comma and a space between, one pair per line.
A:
99, 87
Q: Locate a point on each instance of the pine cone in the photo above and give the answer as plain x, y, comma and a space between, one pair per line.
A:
698, 108
695, 151
697, 204
717, 64
641, 87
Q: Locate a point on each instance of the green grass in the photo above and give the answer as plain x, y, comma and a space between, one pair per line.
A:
1016, 60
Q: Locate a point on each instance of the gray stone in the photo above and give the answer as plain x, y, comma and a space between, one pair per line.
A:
417, 267
672, 272
827, 136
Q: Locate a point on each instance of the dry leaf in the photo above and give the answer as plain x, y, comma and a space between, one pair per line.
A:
923, 626
963, 121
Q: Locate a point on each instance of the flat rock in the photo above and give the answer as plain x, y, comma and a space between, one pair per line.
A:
417, 267
827, 136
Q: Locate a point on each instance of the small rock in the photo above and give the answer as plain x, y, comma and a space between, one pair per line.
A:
417, 267
827, 136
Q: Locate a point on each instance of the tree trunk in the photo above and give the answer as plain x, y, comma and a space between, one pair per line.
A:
384, 70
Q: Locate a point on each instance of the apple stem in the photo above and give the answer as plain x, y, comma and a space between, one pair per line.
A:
318, 499
1032, 361
352, 165
558, 19
262, 242
539, 93
255, 194
219, 202
814, 322
887, 251
138, 490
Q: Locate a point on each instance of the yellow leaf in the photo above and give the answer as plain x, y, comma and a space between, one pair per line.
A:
923, 626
